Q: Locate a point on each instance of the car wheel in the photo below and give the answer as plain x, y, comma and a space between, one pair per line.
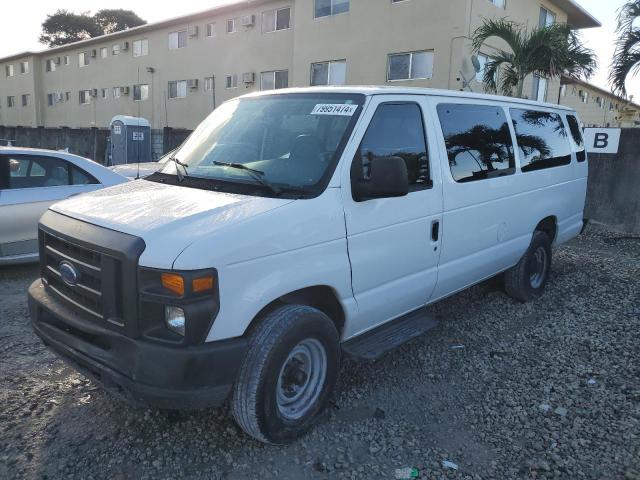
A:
527, 280
288, 374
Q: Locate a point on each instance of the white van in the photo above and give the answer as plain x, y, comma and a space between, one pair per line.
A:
297, 225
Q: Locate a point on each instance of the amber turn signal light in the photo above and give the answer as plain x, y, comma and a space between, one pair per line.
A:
173, 283
203, 284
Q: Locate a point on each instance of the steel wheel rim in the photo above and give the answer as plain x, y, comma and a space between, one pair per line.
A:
301, 379
538, 267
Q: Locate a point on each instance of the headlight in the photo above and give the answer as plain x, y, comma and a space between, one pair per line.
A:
175, 319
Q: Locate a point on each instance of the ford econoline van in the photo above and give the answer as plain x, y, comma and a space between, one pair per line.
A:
296, 226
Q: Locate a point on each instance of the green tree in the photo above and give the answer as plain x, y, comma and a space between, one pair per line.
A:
63, 26
546, 51
626, 59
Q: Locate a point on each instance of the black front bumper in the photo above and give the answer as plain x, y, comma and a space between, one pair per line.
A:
147, 373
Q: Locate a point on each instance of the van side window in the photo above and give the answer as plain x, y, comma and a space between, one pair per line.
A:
396, 130
542, 139
478, 141
576, 133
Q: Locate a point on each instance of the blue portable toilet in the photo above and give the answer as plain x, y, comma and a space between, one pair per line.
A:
130, 140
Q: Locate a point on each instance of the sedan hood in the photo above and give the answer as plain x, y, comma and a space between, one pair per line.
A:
137, 170
168, 218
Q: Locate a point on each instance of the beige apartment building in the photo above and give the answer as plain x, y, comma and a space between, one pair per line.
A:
176, 71
598, 107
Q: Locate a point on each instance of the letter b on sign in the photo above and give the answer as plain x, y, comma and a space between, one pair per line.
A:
602, 140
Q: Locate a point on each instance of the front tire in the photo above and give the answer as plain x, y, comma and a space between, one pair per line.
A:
288, 374
528, 278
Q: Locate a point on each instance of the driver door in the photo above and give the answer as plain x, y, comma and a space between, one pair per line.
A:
394, 243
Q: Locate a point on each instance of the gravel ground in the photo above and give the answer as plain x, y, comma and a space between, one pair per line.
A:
503, 390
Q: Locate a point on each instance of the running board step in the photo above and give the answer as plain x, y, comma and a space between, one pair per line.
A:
385, 338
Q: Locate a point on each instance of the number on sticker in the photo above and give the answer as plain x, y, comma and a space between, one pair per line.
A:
334, 109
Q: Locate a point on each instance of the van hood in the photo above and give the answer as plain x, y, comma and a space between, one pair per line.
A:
167, 217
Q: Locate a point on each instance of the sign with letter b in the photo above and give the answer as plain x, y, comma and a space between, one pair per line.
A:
602, 140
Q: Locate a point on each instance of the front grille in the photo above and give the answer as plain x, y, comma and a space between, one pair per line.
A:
97, 292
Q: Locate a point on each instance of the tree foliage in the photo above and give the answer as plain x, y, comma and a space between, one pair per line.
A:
546, 51
626, 59
63, 26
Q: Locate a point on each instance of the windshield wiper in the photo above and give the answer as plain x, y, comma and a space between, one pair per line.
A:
180, 164
257, 175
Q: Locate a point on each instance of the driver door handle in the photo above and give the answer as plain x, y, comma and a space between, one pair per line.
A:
435, 230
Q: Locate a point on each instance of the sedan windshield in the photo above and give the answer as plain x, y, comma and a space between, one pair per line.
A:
273, 144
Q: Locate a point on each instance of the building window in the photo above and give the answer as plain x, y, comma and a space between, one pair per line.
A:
178, 89
51, 98
546, 18
11, 101
542, 139
177, 40
275, 20
116, 92
539, 88
115, 49
329, 73
478, 141
83, 59
50, 65
232, 25
9, 70
208, 84
274, 80
325, 8
24, 67
140, 47
499, 3
67, 96
563, 90
584, 96
231, 81
140, 92
104, 52
410, 66
211, 30
26, 100
482, 60
84, 97
104, 93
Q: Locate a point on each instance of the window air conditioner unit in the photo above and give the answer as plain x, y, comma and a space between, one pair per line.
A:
94, 92
94, 53
248, 20
125, 46
124, 90
193, 83
249, 77
193, 30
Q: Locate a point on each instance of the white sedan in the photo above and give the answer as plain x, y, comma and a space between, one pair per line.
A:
31, 180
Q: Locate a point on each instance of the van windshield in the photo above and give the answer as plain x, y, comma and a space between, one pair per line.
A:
273, 145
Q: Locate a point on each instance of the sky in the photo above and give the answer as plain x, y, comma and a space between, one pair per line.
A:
21, 20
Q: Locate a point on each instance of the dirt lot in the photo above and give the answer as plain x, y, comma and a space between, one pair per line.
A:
550, 389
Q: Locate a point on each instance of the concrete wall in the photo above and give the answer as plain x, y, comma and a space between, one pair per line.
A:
613, 196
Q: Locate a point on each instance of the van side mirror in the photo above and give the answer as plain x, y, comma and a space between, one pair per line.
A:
388, 177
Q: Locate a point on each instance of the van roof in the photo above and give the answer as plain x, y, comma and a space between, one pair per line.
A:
391, 90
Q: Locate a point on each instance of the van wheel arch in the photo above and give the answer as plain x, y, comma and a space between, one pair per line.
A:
321, 297
548, 225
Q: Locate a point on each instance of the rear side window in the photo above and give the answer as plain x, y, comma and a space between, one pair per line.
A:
576, 134
80, 177
478, 141
542, 139
396, 130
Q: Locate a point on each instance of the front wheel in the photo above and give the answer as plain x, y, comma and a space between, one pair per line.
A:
528, 278
288, 375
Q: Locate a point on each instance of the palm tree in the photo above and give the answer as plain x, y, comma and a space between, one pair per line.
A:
626, 60
546, 51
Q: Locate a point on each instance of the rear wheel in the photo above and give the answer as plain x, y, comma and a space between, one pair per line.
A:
527, 280
288, 375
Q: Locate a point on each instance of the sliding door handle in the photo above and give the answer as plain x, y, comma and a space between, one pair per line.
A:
435, 230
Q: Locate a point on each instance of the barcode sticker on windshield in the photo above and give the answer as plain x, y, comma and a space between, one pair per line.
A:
334, 109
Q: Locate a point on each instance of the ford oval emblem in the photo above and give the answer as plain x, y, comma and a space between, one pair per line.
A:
69, 273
